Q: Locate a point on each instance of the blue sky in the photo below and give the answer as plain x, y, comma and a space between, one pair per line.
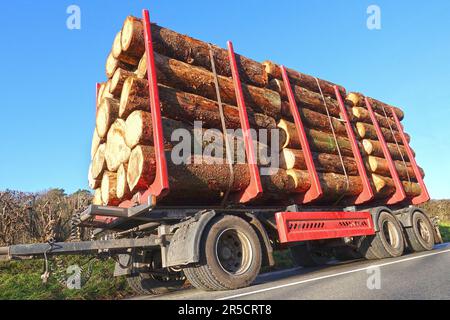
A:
49, 72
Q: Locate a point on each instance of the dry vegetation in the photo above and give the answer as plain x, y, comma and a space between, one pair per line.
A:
38, 217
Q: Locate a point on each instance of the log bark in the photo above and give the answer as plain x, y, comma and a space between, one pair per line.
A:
362, 114
118, 80
99, 162
333, 185
368, 131
123, 191
112, 64
319, 141
303, 80
295, 159
192, 178
305, 99
107, 113
196, 80
116, 151
380, 166
373, 148
379, 107
109, 189
119, 54
197, 53
186, 107
386, 186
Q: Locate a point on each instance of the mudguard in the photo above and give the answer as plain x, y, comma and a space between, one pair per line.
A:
184, 246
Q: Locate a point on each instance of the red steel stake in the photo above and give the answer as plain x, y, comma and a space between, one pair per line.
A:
160, 186
399, 194
367, 193
424, 196
315, 191
255, 187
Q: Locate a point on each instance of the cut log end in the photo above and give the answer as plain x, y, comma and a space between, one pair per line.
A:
117, 151
107, 113
123, 191
99, 162
117, 45
141, 168
133, 37
97, 200
109, 188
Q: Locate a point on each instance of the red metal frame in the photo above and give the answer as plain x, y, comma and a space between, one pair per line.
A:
306, 226
399, 194
315, 191
160, 186
255, 187
367, 193
424, 196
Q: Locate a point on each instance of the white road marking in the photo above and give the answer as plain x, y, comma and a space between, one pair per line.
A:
334, 275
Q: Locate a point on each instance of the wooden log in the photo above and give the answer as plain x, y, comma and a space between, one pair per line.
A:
379, 107
303, 80
107, 113
109, 189
119, 54
186, 107
368, 131
192, 51
116, 151
380, 166
99, 162
141, 71
132, 39
100, 93
123, 191
93, 183
192, 178
96, 141
139, 129
112, 64
362, 114
295, 159
372, 147
118, 80
196, 80
97, 199
333, 185
305, 99
319, 141
386, 186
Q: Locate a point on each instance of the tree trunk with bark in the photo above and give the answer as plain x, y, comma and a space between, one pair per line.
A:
186, 107
295, 159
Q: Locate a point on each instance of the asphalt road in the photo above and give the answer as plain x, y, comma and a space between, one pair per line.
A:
414, 276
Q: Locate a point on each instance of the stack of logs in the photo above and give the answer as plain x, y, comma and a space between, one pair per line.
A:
123, 158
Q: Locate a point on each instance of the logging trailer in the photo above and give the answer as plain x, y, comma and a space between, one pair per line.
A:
222, 248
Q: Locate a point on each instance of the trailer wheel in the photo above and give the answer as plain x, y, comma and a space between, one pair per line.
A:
148, 284
304, 256
230, 256
421, 235
388, 241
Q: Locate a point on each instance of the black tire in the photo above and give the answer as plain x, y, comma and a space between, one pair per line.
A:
388, 241
303, 256
230, 254
146, 284
420, 236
